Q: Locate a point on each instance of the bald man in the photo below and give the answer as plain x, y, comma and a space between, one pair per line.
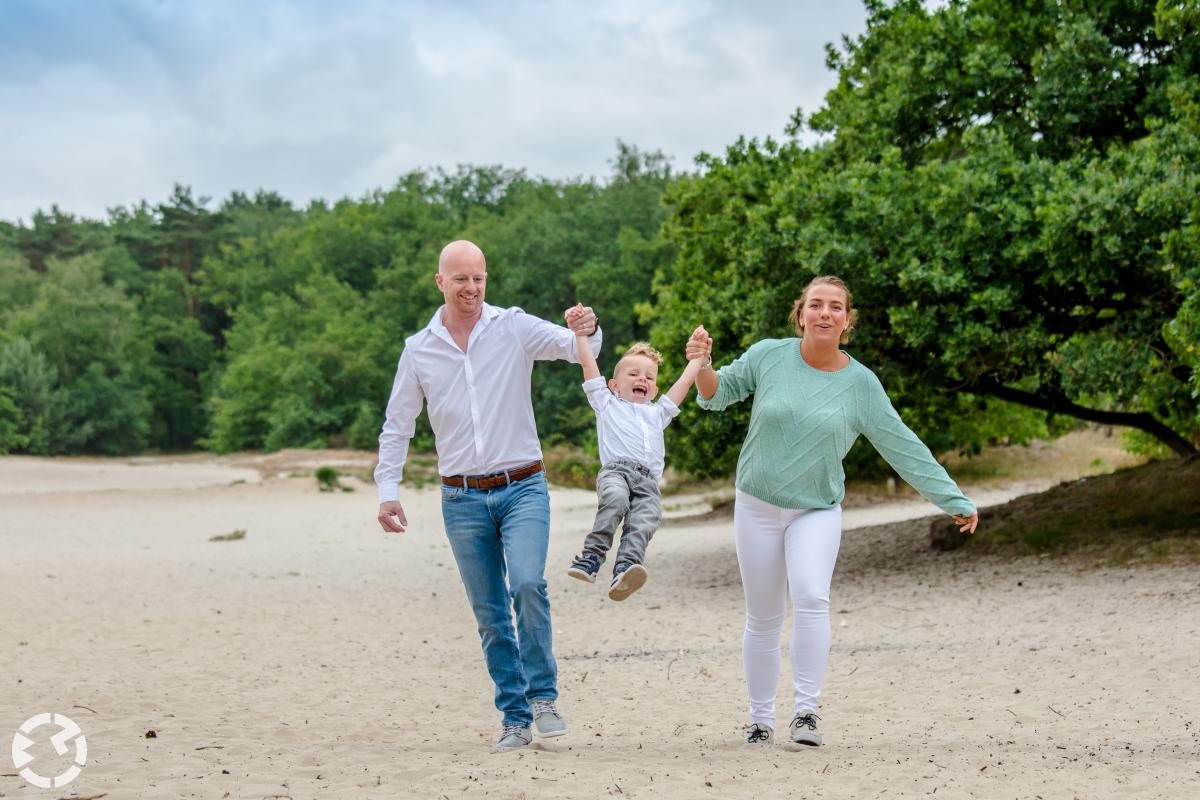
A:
472, 365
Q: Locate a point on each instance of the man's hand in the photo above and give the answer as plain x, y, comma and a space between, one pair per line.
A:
699, 346
581, 319
391, 517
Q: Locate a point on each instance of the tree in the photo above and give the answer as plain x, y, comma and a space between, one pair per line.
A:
1013, 224
79, 335
299, 369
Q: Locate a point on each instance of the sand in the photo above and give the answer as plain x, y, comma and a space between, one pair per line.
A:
319, 657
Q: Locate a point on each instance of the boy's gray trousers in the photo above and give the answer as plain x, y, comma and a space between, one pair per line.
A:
625, 490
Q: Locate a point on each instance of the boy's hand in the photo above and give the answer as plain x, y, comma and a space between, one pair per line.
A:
699, 346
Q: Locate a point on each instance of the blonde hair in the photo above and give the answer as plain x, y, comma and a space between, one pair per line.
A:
641, 349
797, 315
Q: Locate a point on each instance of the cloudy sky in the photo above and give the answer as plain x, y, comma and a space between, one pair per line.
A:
107, 102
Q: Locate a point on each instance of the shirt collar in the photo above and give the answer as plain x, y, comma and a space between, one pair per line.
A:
436, 326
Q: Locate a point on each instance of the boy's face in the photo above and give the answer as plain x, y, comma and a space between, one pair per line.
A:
635, 379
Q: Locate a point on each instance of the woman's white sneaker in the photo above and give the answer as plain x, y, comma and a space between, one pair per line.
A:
804, 729
759, 734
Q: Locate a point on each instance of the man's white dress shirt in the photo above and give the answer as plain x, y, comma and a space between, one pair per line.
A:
630, 431
479, 401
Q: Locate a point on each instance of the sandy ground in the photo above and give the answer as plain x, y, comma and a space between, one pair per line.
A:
318, 657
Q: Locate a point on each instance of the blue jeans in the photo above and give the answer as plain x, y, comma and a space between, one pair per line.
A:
497, 534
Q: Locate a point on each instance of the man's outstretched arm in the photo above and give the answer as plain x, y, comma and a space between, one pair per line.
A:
545, 341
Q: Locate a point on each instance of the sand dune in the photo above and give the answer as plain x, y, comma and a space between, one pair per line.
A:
319, 657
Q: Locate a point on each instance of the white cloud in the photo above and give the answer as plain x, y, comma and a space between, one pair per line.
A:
327, 101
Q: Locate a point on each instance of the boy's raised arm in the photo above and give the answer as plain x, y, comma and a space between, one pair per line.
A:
679, 392
586, 359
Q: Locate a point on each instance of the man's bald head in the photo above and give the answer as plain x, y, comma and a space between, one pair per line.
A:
462, 279
461, 254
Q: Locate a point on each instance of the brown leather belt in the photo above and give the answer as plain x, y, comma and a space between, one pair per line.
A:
495, 479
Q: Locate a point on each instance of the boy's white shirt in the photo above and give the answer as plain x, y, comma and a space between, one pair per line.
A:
630, 431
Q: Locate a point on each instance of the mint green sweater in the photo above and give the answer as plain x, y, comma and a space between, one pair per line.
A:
804, 421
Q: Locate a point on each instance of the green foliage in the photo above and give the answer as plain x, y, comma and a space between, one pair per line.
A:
570, 466
329, 480
174, 369
71, 366
363, 433
1011, 194
12, 423
101, 411
29, 381
298, 369
18, 286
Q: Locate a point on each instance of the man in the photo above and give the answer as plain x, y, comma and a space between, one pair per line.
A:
472, 365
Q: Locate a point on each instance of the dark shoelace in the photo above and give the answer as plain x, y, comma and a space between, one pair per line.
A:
807, 721
758, 734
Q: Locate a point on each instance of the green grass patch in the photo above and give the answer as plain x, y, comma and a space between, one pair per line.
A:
232, 536
330, 480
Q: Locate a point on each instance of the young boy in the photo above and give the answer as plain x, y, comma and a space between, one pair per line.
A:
629, 426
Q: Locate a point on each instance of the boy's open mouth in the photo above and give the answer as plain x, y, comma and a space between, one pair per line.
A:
639, 391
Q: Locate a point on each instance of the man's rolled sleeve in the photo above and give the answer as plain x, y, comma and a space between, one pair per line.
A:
399, 425
545, 341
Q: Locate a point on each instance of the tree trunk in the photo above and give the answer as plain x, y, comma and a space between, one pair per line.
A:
1059, 403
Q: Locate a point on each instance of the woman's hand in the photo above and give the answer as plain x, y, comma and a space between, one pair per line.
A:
966, 524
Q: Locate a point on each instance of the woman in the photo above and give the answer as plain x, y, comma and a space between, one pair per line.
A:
811, 401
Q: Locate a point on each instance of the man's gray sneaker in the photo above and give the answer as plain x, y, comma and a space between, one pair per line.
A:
547, 719
758, 734
514, 736
627, 579
804, 729
584, 567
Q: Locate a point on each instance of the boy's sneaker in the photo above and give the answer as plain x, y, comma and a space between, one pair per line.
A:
758, 734
546, 718
804, 729
585, 567
627, 579
514, 736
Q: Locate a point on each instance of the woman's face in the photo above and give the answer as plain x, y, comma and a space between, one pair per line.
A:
825, 315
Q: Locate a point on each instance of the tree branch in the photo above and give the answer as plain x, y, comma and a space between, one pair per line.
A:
1058, 403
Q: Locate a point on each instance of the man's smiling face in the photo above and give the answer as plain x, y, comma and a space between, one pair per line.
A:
462, 278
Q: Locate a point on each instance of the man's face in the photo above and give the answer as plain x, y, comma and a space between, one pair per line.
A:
635, 379
462, 281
